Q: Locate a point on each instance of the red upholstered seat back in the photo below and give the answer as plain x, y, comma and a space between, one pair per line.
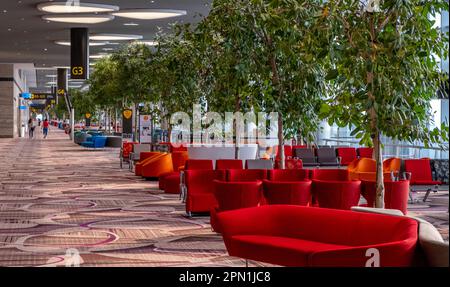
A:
325, 225
236, 195
127, 149
365, 152
293, 193
331, 174
347, 154
199, 164
288, 174
420, 169
244, 175
229, 164
287, 151
202, 181
395, 196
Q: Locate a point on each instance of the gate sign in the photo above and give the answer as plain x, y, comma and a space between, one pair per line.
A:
79, 55
127, 124
88, 119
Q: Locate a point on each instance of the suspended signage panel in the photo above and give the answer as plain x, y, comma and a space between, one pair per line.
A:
127, 124
79, 56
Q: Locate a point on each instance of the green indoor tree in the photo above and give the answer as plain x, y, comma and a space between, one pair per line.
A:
384, 71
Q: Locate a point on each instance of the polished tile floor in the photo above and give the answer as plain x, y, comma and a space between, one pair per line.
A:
56, 196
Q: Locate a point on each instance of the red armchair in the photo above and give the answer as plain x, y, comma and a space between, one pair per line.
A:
157, 166
200, 189
347, 155
170, 182
421, 175
284, 192
299, 236
331, 174
234, 195
395, 194
229, 164
332, 188
125, 152
246, 175
365, 152
288, 174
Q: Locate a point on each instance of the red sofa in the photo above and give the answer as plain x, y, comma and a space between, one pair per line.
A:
396, 194
310, 237
421, 175
234, 195
200, 189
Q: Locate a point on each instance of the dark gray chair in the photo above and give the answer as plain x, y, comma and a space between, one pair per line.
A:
326, 156
307, 156
114, 142
258, 164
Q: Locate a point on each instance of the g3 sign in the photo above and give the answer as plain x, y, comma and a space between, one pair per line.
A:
77, 71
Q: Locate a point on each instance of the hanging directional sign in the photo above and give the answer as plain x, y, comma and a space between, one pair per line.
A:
79, 56
61, 89
88, 117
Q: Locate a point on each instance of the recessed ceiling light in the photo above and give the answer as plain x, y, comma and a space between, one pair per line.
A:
64, 7
149, 14
51, 76
114, 37
131, 24
67, 43
78, 19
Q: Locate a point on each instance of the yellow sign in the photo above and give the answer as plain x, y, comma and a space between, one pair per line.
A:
88, 115
127, 114
77, 71
61, 92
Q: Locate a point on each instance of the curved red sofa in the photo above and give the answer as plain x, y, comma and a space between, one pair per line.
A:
299, 236
234, 195
396, 194
330, 174
200, 189
285, 192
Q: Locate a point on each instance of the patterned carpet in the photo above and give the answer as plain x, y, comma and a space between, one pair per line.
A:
55, 195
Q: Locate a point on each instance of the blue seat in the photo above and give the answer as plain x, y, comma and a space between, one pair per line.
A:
95, 142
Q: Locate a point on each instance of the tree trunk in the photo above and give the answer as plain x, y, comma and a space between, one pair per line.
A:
281, 143
379, 200
136, 121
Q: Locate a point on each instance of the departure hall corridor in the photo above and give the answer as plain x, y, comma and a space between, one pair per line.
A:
55, 195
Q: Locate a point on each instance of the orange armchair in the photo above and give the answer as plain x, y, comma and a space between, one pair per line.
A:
145, 157
365, 168
158, 165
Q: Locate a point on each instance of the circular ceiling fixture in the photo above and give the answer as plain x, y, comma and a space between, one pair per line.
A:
114, 37
65, 7
78, 19
67, 43
149, 14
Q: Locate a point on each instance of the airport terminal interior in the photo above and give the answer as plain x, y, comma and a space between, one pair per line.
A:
224, 133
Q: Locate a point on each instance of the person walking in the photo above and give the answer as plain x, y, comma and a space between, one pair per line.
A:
31, 128
45, 126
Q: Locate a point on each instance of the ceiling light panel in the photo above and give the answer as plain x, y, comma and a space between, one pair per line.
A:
149, 14
78, 19
92, 44
114, 37
64, 7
